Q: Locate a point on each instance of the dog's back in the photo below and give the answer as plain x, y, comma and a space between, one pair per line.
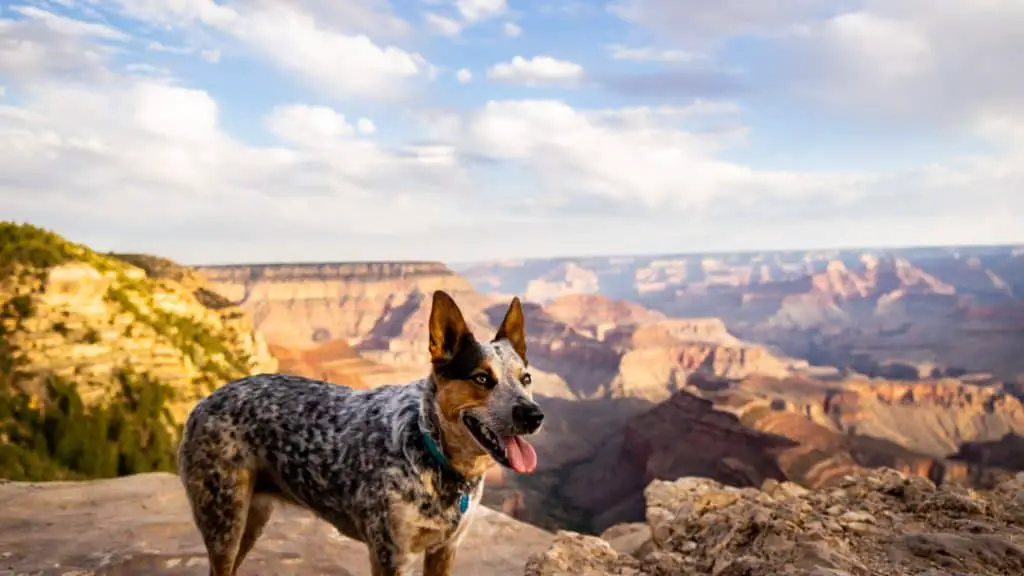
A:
266, 437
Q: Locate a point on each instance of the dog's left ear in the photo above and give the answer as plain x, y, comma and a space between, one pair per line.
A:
513, 328
448, 330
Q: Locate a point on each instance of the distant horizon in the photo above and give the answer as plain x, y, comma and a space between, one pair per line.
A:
1010, 246
865, 249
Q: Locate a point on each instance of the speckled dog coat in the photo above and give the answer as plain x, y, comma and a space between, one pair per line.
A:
398, 467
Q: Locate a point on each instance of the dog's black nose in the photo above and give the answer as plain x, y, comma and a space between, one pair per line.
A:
529, 416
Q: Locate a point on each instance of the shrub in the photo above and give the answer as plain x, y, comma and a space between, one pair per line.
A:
132, 433
30, 246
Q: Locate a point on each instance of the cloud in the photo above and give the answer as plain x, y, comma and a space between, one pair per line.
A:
641, 156
512, 30
569, 8
211, 56
479, 10
922, 64
114, 151
375, 18
147, 70
442, 24
155, 46
674, 84
70, 27
366, 126
539, 70
701, 24
464, 76
467, 13
324, 52
138, 155
913, 62
152, 157
43, 45
650, 54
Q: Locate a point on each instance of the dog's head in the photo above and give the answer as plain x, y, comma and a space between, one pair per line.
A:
484, 393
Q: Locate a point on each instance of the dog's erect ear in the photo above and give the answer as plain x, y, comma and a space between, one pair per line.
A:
448, 330
513, 328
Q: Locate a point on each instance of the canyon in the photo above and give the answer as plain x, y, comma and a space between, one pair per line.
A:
896, 312
743, 369
800, 366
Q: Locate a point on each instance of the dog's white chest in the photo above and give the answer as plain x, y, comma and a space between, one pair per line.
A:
420, 532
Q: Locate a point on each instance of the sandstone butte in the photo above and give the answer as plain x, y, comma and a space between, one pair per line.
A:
872, 523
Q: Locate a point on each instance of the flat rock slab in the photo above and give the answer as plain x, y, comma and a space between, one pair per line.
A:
142, 525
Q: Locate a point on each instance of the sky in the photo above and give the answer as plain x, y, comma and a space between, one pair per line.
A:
467, 130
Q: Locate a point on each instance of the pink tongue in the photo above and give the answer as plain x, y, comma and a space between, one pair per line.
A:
521, 455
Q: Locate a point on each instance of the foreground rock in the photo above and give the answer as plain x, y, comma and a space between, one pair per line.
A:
141, 525
878, 523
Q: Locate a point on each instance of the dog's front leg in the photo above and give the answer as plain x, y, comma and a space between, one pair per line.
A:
387, 556
387, 560
438, 562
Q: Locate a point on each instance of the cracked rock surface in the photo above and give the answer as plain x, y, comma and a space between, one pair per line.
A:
879, 523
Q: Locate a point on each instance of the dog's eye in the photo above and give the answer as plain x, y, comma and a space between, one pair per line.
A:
482, 379
526, 379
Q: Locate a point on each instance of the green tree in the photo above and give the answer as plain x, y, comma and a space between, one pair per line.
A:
133, 433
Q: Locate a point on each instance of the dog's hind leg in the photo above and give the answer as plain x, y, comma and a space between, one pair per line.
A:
218, 475
220, 506
260, 509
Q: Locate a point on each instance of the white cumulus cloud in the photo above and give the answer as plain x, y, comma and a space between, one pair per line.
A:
478, 10
290, 35
539, 70
442, 24
650, 54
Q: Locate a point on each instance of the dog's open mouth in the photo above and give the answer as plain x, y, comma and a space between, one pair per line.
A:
510, 451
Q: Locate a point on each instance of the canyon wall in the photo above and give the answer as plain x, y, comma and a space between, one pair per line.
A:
82, 316
299, 305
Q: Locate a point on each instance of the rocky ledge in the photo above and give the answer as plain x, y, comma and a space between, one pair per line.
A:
141, 525
879, 523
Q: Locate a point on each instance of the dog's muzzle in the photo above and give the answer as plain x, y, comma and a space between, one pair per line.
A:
527, 417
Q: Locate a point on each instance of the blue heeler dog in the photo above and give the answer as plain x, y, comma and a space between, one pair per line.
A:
397, 467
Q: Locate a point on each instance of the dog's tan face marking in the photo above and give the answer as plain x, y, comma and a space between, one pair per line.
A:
478, 384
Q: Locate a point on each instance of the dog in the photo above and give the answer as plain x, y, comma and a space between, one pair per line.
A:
398, 467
